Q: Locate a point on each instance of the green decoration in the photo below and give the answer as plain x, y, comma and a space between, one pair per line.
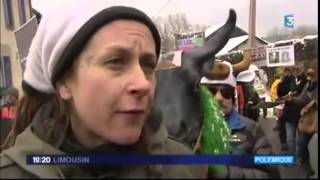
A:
215, 132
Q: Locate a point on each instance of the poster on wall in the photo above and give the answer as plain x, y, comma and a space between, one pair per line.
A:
280, 56
24, 36
187, 41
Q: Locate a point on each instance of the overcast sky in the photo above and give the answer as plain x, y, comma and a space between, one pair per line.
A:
269, 13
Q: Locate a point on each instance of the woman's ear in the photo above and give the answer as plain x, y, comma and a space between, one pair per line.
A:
64, 90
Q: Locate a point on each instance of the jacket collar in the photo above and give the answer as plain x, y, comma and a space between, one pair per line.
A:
46, 134
234, 121
28, 143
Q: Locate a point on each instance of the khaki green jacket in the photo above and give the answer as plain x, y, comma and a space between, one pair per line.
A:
36, 139
13, 163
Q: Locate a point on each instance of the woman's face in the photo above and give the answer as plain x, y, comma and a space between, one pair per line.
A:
113, 85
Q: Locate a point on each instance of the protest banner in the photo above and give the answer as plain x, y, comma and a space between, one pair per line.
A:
187, 41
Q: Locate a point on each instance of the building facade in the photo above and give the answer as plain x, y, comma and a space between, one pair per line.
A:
13, 15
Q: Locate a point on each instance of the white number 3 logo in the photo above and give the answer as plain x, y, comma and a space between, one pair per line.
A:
289, 21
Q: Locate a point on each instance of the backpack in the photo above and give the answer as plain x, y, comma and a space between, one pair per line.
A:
308, 122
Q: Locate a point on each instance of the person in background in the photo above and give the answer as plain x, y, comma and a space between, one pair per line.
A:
274, 86
286, 83
8, 113
250, 96
298, 72
240, 98
26, 109
289, 86
308, 95
248, 138
99, 68
260, 85
274, 96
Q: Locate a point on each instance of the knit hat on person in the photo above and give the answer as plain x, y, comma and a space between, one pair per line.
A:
10, 91
62, 35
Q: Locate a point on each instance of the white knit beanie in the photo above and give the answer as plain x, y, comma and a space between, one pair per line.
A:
230, 80
62, 35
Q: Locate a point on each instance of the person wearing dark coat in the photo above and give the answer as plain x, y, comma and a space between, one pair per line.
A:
291, 84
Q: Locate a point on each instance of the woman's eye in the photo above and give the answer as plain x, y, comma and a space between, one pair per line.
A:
149, 66
115, 62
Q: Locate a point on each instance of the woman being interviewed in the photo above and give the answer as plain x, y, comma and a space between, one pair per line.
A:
100, 66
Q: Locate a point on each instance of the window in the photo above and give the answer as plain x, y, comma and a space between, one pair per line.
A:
22, 12
5, 72
8, 13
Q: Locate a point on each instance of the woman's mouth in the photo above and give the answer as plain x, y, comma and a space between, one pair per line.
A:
132, 112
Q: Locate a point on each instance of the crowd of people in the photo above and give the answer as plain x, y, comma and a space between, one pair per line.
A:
295, 91
94, 93
297, 88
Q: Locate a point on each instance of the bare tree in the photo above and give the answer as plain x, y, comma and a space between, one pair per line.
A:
302, 31
199, 27
167, 38
277, 34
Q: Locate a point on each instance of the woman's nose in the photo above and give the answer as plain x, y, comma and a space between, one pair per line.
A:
141, 83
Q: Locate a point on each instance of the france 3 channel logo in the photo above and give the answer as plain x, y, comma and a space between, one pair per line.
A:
274, 160
289, 21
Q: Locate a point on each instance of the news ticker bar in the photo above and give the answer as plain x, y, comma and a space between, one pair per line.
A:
124, 159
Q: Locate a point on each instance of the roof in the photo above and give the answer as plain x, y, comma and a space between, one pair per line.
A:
294, 41
310, 37
232, 43
288, 41
212, 29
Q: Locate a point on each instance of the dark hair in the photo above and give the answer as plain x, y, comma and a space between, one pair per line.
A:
28, 106
26, 110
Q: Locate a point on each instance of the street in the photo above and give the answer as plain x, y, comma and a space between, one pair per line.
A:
295, 172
